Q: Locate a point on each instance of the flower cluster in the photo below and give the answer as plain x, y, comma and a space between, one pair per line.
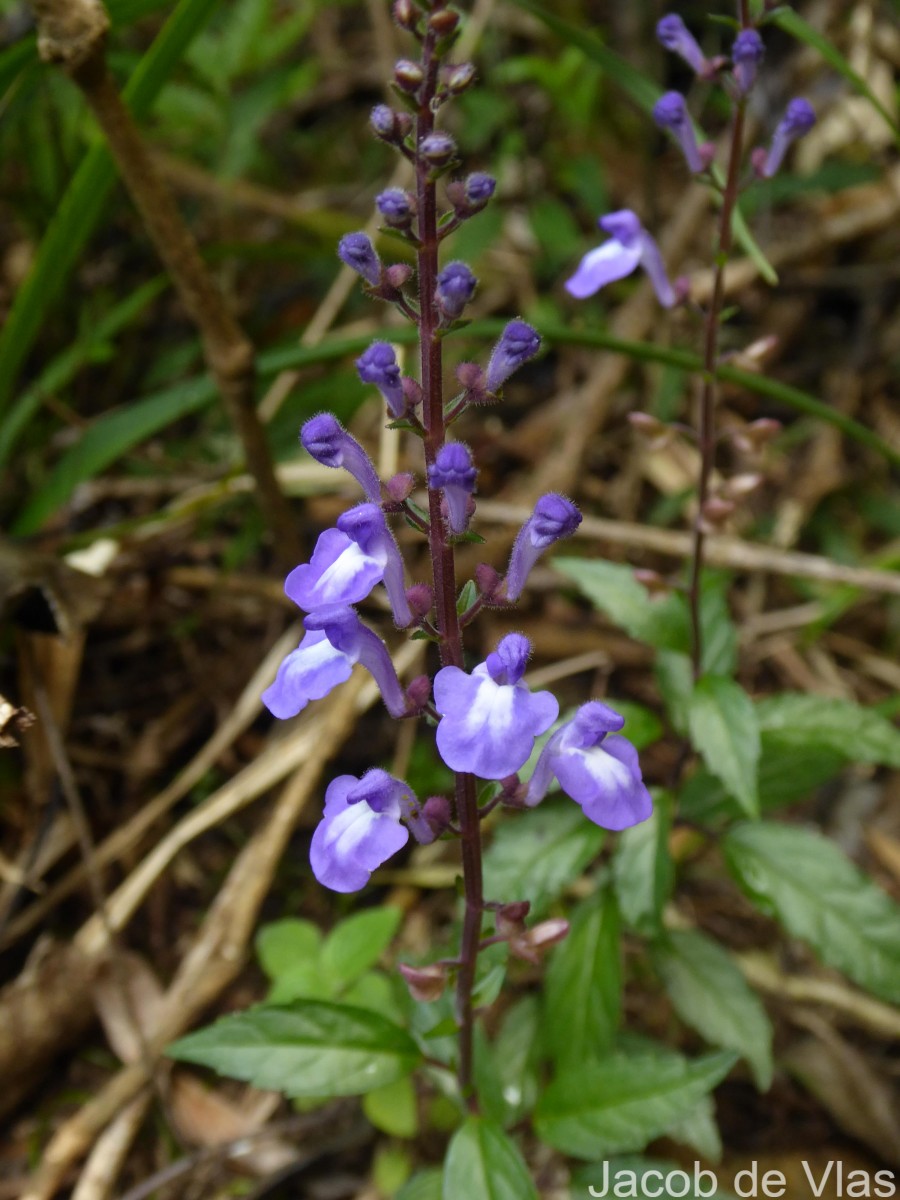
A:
630, 246
487, 719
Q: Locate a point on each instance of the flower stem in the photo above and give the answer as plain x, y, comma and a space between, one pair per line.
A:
706, 434
442, 557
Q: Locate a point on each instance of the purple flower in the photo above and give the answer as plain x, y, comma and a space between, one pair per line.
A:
599, 772
489, 719
378, 365
674, 35
453, 472
361, 828
329, 443
307, 673
355, 250
390, 125
455, 287
629, 246
798, 119
396, 206
346, 633
747, 53
670, 112
554, 517
348, 562
517, 344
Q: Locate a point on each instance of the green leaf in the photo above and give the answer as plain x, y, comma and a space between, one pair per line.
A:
698, 1129
643, 871
536, 855
483, 1164
786, 773
859, 734
82, 206
621, 1104
642, 1179
393, 1109
819, 895
710, 994
516, 1056
282, 944
309, 1049
583, 993
613, 589
724, 729
424, 1185
358, 942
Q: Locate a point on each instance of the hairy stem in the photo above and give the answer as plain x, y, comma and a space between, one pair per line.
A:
442, 559
706, 433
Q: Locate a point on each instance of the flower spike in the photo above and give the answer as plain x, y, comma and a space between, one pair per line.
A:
629, 247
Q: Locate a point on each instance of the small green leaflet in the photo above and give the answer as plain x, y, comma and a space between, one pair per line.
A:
819, 895
308, 1049
859, 734
643, 871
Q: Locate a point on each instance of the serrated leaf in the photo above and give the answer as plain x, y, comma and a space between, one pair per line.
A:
643, 870
583, 993
821, 722
786, 773
308, 1049
646, 1179
710, 994
698, 1129
484, 1164
536, 855
358, 942
613, 589
724, 729
621, 1104
820, 896
516, 1052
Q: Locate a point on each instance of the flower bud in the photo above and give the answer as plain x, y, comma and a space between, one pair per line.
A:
438, 149
798, 120
460, 78
329, 443
489, 583
408, 76
400, 487
378, 365
420, 598
479, 187
455, 287
406, 14
397, 207
517, 344
717, 510
412, 392
670, 112
747, 53
355, 250
454, 473
417, 696
444, 22
390, 125
396, 275
674, 35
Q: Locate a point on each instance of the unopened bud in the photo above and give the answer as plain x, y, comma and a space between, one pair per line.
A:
420, 598
408, 76
399, 487
438, 149
444, 22
436, 811
488, 581
418, 693
396, 275
389, 125
425, 983
460, 78
471, 376
406, 14
412, 390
